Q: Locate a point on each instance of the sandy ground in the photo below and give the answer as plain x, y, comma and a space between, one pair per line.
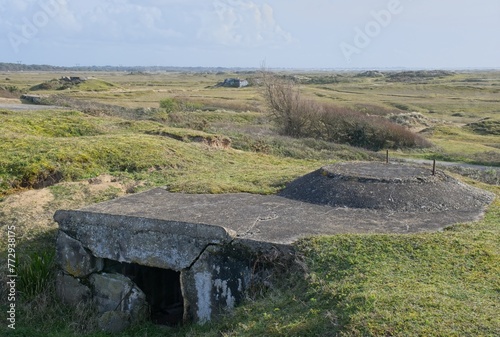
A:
4, 100
32, 211
26, 107
15, 104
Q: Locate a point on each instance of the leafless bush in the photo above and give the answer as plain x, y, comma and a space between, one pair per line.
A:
285, 104
296, 116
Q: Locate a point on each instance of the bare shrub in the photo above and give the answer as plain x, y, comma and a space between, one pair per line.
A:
288, 109
298, 117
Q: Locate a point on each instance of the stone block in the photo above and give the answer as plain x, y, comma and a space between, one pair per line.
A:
74, 259
70, 290
114, 322
115, 292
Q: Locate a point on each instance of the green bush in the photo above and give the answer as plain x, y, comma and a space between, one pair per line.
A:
169, 105
180, 104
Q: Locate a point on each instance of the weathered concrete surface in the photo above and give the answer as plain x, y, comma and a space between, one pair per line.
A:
215, 282
142, 240
387, 187
270, 219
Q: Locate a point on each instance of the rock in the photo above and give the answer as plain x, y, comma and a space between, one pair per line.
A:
115, 292
74, 258
137, 306
35, 99
114, 321
95, 181
70, 290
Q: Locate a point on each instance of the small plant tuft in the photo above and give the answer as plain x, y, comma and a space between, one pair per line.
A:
35, 274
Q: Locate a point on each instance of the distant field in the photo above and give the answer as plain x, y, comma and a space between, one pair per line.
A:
441, 107
111, 138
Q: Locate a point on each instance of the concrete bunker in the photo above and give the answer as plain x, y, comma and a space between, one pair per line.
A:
173, 257
136, 269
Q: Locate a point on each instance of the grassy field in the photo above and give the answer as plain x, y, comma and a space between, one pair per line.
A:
118, 141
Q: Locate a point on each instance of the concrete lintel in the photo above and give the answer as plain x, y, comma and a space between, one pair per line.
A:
151, 242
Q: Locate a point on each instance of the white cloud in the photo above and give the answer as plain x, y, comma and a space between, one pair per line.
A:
92, 20
241, 23
123, 21
238, 32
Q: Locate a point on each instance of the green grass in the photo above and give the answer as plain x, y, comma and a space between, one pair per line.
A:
458, 144
49, 124
435, 284
95, 85
35, 272
441, 284
438, 284
36, 146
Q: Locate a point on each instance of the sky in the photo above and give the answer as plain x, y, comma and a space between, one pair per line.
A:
313, 34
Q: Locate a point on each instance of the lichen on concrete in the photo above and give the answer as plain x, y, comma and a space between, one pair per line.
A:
203, 285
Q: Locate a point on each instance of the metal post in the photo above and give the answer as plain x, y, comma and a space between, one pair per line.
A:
387, 157
434, 167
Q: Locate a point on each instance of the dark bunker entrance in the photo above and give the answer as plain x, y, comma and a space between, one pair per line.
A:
162, 288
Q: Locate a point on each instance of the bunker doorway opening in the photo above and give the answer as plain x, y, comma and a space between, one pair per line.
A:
162, 288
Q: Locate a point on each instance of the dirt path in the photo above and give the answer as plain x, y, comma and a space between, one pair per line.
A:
452, 164
26, 107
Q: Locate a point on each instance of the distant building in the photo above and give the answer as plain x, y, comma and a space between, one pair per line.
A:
234, 83
73, 79
34, 99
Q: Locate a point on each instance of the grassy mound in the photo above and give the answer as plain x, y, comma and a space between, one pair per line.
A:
95, 85
92, 84
40, 148
486, 126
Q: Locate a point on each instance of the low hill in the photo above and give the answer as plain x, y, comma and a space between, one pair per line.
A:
74, 82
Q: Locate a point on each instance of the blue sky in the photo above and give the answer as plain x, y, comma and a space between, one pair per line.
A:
244, 33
